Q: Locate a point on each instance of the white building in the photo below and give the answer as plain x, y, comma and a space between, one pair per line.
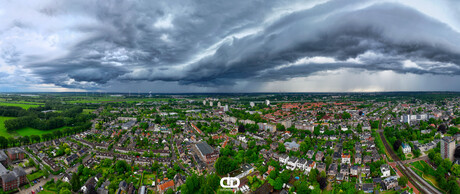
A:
406, 148
204, 102
251, 104
385, 169
267, 102
284, 158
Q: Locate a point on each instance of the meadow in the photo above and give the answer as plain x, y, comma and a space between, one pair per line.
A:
22, 105
24, 131
3, 131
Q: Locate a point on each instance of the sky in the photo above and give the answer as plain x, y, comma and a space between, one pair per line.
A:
183, 46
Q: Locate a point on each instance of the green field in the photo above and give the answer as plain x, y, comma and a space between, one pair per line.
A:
24, 106
3, 131
22, 132
117, 99
31, 131
88, 111
35, 175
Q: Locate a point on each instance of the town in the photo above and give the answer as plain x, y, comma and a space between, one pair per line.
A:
272, 143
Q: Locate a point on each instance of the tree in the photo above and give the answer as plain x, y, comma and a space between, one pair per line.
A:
456, 170
75, 182
397, 144
65, 191
403, 181
304, 147
322, 182
3, 142
241, 129
346, 115
281, 148
278, 185
302, 188
225, 165
67, 151
328, 160
121, 166
442, 128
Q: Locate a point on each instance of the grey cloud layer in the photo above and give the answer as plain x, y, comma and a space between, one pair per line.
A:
173, 41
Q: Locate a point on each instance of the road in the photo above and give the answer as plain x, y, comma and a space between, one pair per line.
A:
416, 180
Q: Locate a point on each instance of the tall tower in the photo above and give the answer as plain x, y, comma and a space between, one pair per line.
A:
447, 148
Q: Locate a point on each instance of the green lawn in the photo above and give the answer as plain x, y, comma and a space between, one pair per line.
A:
3, 131
24, 106
148, 179
31, 131
88, 111
35, 175
22, 132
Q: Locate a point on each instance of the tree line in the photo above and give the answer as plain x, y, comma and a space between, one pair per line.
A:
26, 140
46, 121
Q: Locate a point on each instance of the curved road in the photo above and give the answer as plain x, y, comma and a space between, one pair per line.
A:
416, 180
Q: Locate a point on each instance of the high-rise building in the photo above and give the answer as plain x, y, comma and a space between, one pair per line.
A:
447, 148
251, 104
267, 102
204, 102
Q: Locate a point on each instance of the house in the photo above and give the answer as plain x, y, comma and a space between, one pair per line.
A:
163, 186
208, 154
366, 170
358, 159
336, 156
15, 153
292, 146
319, 156
301, 163
292, 163
274, 145
367, 159
90, 183
368, 188
354, 171
321, 167
340, 177
310, 165
245, 170
332, 169
385, 169
310, 154
406, 148
390, 183
283, 159
345, 169
10, 180
346, 158
70, 159
3, 158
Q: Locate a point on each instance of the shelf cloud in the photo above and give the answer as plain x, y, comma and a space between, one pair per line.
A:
219, 44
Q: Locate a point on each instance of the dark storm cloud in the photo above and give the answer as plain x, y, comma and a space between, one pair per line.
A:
165, 41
